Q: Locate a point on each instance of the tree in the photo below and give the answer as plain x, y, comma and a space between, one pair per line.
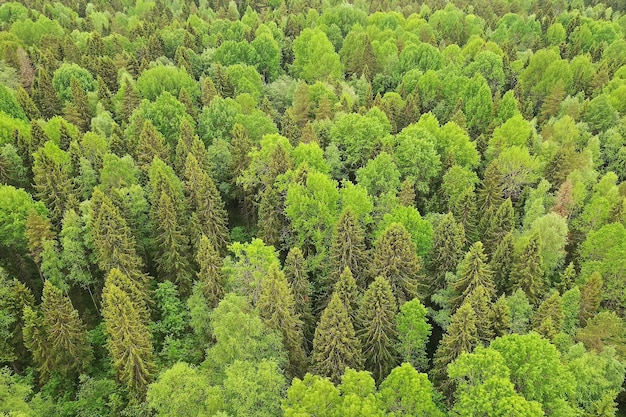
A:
448, 243
128, 341
315, 57
151, 144
472, 272
210, 273
312, 395
480, 299
277, 309
79, 106
296, 274
548, 319
348, 249
395, 259
335, 346
413, 333
502, 222
349, 294
527, 272
591, 297
44, 94
14, 393
502, 263
377, 328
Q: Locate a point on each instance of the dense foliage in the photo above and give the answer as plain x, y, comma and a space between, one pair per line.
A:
312, 208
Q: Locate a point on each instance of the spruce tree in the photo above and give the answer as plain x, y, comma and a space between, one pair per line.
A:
527, 273
502, 263
301, 108
348, 249
590, 297
480, 301
378, 332
209, 92
500, 225
465, 213
277, 309
501, 317
210, 273
348, 292
335, 346
130, 101
270, 217
66, 334
38, 230
151, 144
208, 214
395, 258
137, 294
406, 195
473, 272
44, 95
80, 105
183, 146
548, 318
296, 274
36, 341
448, 243
490, 192
27, 103
128, 340
172, 245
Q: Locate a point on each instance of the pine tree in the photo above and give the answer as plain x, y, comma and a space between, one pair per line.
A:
480, 301
335, 346
66, 334
590, 297
501, 317
500, 225
172, 245
296, 274
348, 292
527, 272
128, 341
378, 332
210, 273
44, 95
209, 216
151, 144
502, 263
395, 258
473, 272
348, 249
461, 336
277, 309
448, 243
548, 318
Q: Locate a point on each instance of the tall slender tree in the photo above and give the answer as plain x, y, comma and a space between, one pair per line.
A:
473, 272
500, 224
448, 243
348, 292
348, 249
502, 263
296, 274
210, 273
527, 272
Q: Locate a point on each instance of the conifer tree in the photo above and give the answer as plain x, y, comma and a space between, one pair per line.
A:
277, 309
590, 297
501, 317
309, 135
473, 272
378, 332
480, 301
130, 100
406, 196
461, 336
348, 249
348, 292
44, 95
448, 243
66, 334
36, 341
527, 272
172, 245
185, 98
151, 144
502, 263
500, 225
567, 278
80, 102
137, 294
128, 340
209, 92
301, 104
209, 216
183, 146
296, 274
335, 346
395, 258
548, 318
324, 109
270, 221
210, 273
490, 192
465, 212
38, 230
27, 103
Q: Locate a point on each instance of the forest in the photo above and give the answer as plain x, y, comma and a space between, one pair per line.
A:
322, 208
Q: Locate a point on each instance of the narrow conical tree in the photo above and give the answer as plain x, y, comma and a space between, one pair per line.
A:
128, 340
296, 274
501, 317
490, 192
335, 346
501, 223
66, 333
130, 101
567, 278
209, 92
301, 104
348, 249
269, 222
461, 336
183, 146
209, 216
138, 295
80, 102
210, 273
527, 273
172, 245
480, 301
590, 297
277, 309
378, 332
548, 318
472, 272
395, 258
448, 243
151, 144
406, 196
44, 95
36, 341
27, 103
348, 292
465, 212
502, 263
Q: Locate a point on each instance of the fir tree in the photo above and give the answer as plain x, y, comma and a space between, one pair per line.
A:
44, 95
210, 273
395, 258
378, 332
348, 292
473, 272
172, 244
209, 216
27, 103
480, 301
270, 222
500, 225
209, 92
448, 243
490, 192
128, 341
66, 334
502, 263
335, 346
590, 297
548, 318
151, 144
348, 249
500, 317
35, 340
527, 272
130, 101
296, 274
277, 309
